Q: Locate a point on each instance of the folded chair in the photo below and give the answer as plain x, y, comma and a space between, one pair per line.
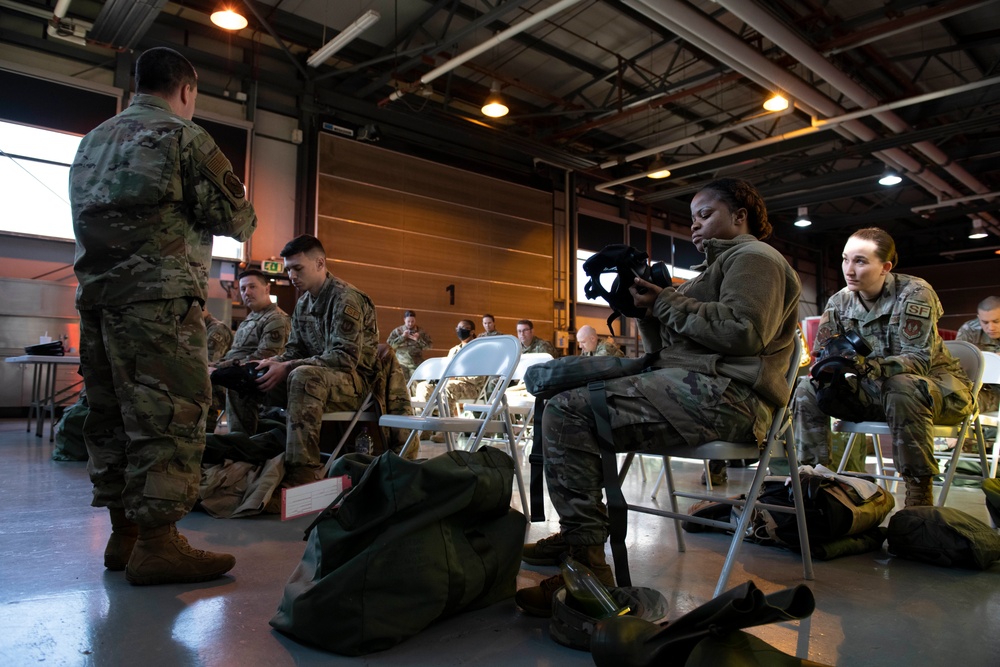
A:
778, 435
971, 359
491, 356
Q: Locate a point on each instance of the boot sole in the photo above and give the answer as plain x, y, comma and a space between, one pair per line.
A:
166, 578
552, 560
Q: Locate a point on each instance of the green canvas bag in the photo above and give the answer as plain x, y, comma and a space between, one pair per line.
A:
412, 542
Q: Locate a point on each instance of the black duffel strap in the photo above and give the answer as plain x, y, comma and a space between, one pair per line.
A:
537, 461
617, 507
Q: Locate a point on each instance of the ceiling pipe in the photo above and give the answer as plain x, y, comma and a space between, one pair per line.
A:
795, 46
709, 36
953, 202
485, 46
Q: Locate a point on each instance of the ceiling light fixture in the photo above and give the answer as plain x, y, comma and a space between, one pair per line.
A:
776, 102
227, 19
890, 178
977, 229
347, 35
494, 106
658, 168
803, 220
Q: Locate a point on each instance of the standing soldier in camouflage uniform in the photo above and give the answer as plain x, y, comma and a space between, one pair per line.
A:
262, 334
149, 188
329, 362
529, 343
409, 341
592, 346
984, 333
489, 326
220, 338
911, 381
733, 322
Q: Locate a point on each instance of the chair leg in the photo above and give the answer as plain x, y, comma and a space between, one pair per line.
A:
668, 477
659, 482
953, 466
800, 513
847, 453
708, 476
744, 521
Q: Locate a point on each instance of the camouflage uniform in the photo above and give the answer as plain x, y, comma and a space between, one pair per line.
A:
409, 353
605, 348
972, 332
489, 333
261, 335
539, 345
220, 338
332, 348
724, 337
915, 382
148, 191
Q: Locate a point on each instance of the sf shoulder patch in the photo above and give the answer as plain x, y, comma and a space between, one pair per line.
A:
352, 312
918, 310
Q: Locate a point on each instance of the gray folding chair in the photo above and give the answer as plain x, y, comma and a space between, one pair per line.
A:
778, 434
491, 356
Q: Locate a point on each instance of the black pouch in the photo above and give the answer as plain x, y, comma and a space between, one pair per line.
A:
54, 349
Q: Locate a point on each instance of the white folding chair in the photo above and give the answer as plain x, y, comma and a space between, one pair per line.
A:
491, 356
971, 359
778, 434
367, 412
428, 370
991, 375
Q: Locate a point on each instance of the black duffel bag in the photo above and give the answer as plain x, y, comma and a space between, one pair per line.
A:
411, 543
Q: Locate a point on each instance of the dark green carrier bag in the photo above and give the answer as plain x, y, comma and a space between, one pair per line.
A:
411, 542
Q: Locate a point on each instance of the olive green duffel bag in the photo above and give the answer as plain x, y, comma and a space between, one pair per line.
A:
411, 543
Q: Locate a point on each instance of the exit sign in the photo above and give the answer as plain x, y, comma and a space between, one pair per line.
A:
272, 266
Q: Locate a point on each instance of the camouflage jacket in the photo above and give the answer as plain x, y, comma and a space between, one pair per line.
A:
901, 329
409, 352
539, 345
148, 191
261, 335
336, 329
736, 319
489, 333
605, 348
972, 332
220, 338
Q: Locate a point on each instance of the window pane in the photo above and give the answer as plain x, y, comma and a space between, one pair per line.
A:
44, 144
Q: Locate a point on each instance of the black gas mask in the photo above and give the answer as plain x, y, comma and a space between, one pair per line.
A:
628, 263
836, 376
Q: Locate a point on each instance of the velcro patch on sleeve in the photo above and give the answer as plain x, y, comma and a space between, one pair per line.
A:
918, 310
352, 312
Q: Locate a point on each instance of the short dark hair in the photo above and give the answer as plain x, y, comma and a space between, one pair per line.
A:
253, 273
163, 70
485, 315
989, 303
737, 194
306, 243
531, 325
472, 325
885, 246
409, 313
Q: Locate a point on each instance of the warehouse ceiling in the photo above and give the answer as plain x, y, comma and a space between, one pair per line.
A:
605, 87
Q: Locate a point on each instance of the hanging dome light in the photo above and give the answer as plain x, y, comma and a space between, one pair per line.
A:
803, 220
890, 178
494, 106
977, 229
227, 19
657, 168
776, 103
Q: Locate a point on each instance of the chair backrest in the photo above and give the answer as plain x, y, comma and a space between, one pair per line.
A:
491, 356
429, 369
991, 368
527, 361
971, 359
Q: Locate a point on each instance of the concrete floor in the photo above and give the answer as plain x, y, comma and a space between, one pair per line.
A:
60, 607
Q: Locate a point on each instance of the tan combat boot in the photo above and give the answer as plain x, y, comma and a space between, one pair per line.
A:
122, 540
550, 550
163, 556
919, 491
537, 600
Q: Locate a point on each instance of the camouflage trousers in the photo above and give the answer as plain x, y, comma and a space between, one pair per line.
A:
910, 404
307, 393
145, 366
989, 399
651, 410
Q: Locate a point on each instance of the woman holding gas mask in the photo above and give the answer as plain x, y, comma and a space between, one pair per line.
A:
722, 340
908, 380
